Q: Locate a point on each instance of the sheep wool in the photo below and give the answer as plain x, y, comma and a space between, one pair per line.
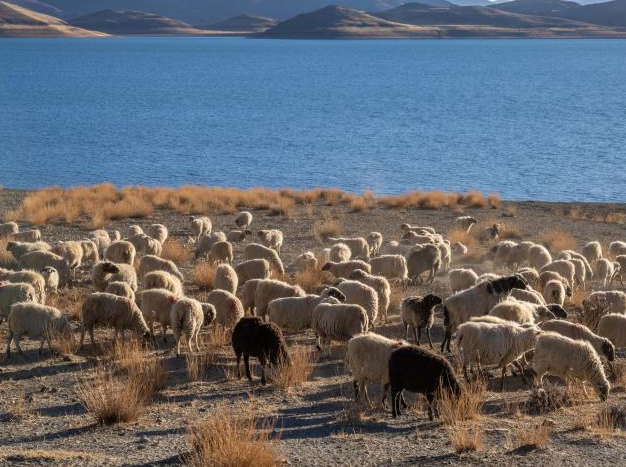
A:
187, 317
539, 256
361, 294
359, 248
8, 228
163, 280
121, 252
340, 252
271, 239
27, 277
155, 306
613, 327
158, 232
258, 251
226, 278
461, 279
14, 293
243, 219
294, 313
577, 331
221, 252
337, 322
121, 289
345, 268
228, 308
203, 246
269, 289
252, 269
375, 241
37, 260
380, 284
29, 236
19, 249
420, 259
35, 320
150, 263
390, 267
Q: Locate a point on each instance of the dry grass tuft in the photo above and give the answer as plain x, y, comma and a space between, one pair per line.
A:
288, 377
174, 250
204, 274
395, 300
218, 336
609, 421
466, 438
618, 373
510, 232
548, 399
62, 342
226, 439
557, 241
199, 364
69, 301
327, 227
312, 278
467, 406
473, 199
578, 296
462, 236
526, 438
494, 201
19, 408
6, 259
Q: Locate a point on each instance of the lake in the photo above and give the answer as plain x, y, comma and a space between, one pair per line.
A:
530, 119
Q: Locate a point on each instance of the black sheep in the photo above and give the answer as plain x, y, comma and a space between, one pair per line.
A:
252, 337
419, 370
418, 312
557, 310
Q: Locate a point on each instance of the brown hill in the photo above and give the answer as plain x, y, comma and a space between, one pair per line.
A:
244, 23
16, 21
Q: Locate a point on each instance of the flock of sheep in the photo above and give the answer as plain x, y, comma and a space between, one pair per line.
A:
511, 317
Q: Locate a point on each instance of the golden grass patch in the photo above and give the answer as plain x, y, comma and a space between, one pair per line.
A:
557, 240
467, 406
312, 278
175, 251
466, 438
525, 437
204, 274
288, 377
327, 227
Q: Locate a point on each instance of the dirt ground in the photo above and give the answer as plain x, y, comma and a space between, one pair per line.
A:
44, 422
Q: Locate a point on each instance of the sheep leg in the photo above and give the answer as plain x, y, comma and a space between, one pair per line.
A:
417, 333
385, 391
430, 397
402, 401
164, 333
246, 363
93, 340
238, 365
367, 396
395, 402
318, 344
263, 362
355, 384
41, 343
445, 338
9, 339
430, 341
502, 378
82, 336
465, 372
521, 371
406, 331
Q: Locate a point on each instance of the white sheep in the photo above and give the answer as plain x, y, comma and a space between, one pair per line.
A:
104, 272
145, 245
592, 251
304, 261
530, 275
248, 291
564, 267
601, 303
518, 255
135, 230
269, 289
27, 277
187, 316
30, 236
359, 248
490, 234
606, 271
463, 223
91, 253
574, 255
258, 251
18, 249
226, 278
361, 294
446, 255
323, 256
501, 253
459, 248
554, 292
14, 293
375, 241
102, 240
390, 267
37, 260
51, 276
72, 252
121, 289
547, 276
229, 310
151, 263
243, 219
200, 226
345, 268
525, 313
566, 358
461, 279
617, 248
340, 252
613, 327
163, 280
395, 248
252, 269
158, 232
203, 246
618, 272
155, 305
271, 238
418, 229
337, 322
539, 256
237, 236
528, 295
576, 331
294, 313
380, 284
121, 252
424, 258
35, 320
8, 228
221, 252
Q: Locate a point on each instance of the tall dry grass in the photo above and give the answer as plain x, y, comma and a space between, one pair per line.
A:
175, 251
526, 437
466, 438
289, 377
311, 279
468, 406
557, 240
204, 274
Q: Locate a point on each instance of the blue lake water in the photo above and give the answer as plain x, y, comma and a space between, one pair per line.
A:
530, 119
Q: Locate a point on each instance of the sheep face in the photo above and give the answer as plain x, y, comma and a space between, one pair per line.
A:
431, 300
603, 391
110, 268
557, 310
335, 293
506, 284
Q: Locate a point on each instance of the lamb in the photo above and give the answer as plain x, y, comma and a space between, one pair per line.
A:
229, 310
464, 223
305, 261
530, 275
35, 321
340, 252
27, 277
562, 266
294, 313
206, 242
19, 249
613, 327
461, 279
37, 260
29, 236
257, 251
390, 267
187, 316
459, 248
417, 313
243, 220
237, 236
368, 360
90, 251
422, 371
72, 252
119, 313
359, 247
14, 293
476, 301
158, 232
248, 291
375, 241
121, 289
271, 238
51, 277
8, 228
337, 321
490, 234
601, 303
254, 338
380, 285
226, 278
575, 331
345, 268
269, 289
592, 251
554, 292
566, 358
539, 256
151, 263
163, 280
105, 271
121, 252
495, 344
526, 313
361, 294
252, 269
155, 305
528, 295
617, 248
426, 258
221, 252
606, 271
200, 226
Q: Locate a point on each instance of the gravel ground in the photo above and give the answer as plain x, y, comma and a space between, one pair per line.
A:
45, 424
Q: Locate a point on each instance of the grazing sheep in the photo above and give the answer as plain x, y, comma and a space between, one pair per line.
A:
576, 331
155, 305
464, 223
158, 232
151, 263
361, 294
19, 249
601, 303
380, 284
8, 228
592, 251
580, 273
422, 371
90, 251
417, 313
526, 313
606, 271
518, 255
228, 308
135, 230
359, 247
412, 238
345, 268
221, 252
490, 234
104, 272
476, 301
14, 293
323, 256
390, 267
200, 226
564, 267
163, 280
368, 360
271, 238
613, 327
206, 242
252, 269
102, 240
254, 338
37, 260
110, 310
375, 241
459, 249
237, 236
35, 320
269, 289
72, 253
566, 358
501, 253
418, 229
51, 276
305, 261
528, 295
340, 252
225, 278
446, 255
461, 279
530, 275
425, 258
248, 291
488, 319
243, 220
27, 277
294, 313
29, 236
145, 245
187, 316
121, 289
547, 276
337, 322
618, 272
554, 292
539, 256
495, 344
121, 252
574, 255
257, 251
617, 248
